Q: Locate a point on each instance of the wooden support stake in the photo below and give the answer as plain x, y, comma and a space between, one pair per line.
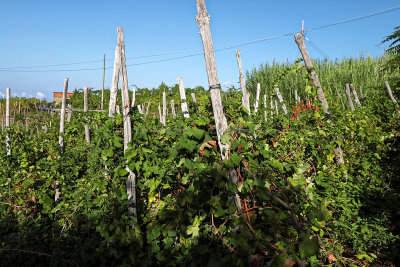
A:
278, 94
114, 85
133, 96
242, 79
349, 97
69, 113
102, 87
353, 90
203, 20
257, 98
299, 38
173, 108
8, 137
85, 109
131, 181
194, 97
265, 107
184, 105
389, 90
361, 95
62, 116
164, 109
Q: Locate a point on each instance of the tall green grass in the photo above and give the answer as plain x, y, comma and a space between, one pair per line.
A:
364, 71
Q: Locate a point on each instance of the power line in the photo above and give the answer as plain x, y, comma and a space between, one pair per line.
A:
319, 50
217, 48
356, 18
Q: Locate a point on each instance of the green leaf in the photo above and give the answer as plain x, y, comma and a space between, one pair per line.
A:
309, 247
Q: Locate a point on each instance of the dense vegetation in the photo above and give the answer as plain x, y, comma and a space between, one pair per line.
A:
298, 204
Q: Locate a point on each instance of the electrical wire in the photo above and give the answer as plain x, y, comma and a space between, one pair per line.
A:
217, 48
319, 50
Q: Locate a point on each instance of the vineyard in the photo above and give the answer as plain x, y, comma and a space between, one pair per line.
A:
288, 182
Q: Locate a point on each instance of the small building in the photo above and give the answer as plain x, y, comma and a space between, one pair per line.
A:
57, 97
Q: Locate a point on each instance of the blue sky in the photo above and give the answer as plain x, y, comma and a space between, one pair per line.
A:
56, 32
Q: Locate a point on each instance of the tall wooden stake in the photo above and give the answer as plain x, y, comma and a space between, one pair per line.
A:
353, 90
257, 98
85, 109
102, 87
8, 138
299, 38
184, 105
278, 94
389, 90
131, 181
114, 85
62, 116
349, 97
242, 79
203, 20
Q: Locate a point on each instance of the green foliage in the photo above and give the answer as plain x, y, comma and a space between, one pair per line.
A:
297, 203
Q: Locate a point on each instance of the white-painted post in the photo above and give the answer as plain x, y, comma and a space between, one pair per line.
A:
184, 105
85, 109
257, 98
194, 97
8, 137
278, 94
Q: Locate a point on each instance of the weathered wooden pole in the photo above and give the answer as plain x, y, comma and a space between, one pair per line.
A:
85, 109
164, 109
389, 90
361, 95
8, 138
62, 116
265, 107
133, 96
147, 108
353, 90
276, 107
242, 79
194, 97
349, 97
295, 97
69, 106
299, 38
160, 112
272, 108
131, 181
278, 94
203, 20
173, 108
184, 105
102, 87
257, 98
114, 84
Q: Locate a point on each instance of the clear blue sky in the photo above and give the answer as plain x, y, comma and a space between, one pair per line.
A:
55, 32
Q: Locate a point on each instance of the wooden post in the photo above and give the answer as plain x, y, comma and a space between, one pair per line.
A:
349, 97
295, 97
62, 116
164, 109
353, 90
257, 98
139, 107
85, 109
133, 96
203, 20
173, 108
160, 113
272, 108
69, 112
8, 138
278, 94
147, 108
184, 105
265, 107
389, 90
131, 181
276, 107
299, 38
194, 97
114, 85
102, 87
242, 79
361, 95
